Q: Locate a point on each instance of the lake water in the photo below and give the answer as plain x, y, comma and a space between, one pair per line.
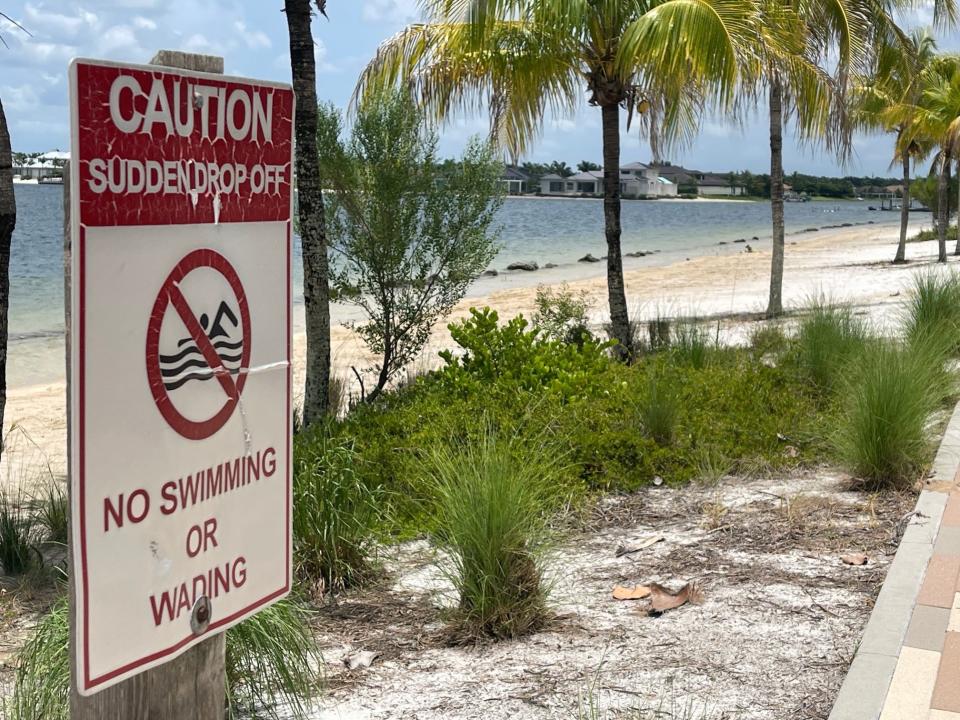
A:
540, 230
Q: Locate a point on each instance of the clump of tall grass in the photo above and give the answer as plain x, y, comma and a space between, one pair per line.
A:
53, 513
659, 409
18, 552
933, 309
271, 659
886, 401
335, 514
492, 499
828, 336
768, 338
691, 342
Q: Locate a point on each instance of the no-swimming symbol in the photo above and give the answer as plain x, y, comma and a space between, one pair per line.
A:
219, 349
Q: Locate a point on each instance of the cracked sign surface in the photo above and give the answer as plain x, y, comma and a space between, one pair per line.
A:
181, 205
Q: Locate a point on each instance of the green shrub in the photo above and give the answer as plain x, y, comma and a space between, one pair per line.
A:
933, 310
18, 553
491, 502
334, 513
515, 357
886, 403
828, 335
767, 338
562, 315
658, 411
270, 657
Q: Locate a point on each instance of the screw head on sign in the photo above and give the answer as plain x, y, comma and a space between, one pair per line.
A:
200, 616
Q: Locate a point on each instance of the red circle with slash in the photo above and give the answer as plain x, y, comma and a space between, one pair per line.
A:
170, 294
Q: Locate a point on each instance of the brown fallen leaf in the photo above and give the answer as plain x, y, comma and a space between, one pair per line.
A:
642, 545
791, 452
635, 593
854, 559
663, 598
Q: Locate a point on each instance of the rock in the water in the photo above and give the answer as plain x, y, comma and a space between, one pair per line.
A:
639, 253
588, 258
490, 273
754, 238
549, 266
741, 240
525, 266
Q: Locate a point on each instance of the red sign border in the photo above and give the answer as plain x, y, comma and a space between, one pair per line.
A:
192, 429
86, 684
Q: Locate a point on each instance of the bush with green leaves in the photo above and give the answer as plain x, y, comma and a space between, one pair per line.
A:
335, 514
562, 315
932, 311
658, 411
691, 342
492, 503
828, 335
882, 432
516, 357
271, 659
408, 234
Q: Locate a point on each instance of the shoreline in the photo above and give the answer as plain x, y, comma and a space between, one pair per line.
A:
850, 264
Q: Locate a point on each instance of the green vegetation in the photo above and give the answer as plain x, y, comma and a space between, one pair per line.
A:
658, 411
18, 552
53, 514
492, 499
931, 234
828, 336
932, 311
882, 428
271, 658
334, 513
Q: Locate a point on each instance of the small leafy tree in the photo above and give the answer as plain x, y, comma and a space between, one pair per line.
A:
587, 166
407, 235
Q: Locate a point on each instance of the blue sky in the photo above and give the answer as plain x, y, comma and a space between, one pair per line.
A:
251, 35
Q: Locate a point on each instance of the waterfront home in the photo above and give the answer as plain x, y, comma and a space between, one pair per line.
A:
702, 183
637, 180
38, 168
516, 181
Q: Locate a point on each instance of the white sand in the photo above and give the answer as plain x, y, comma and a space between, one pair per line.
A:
850, 264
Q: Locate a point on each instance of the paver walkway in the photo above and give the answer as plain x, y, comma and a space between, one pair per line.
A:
908, 664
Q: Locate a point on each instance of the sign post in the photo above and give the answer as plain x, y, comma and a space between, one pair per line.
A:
179, 378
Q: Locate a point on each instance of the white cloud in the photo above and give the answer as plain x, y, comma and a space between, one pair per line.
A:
120, 39
393, 11
142, 23
253, 39
22, 99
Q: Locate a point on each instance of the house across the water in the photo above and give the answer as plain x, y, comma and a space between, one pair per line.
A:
516, 181
637, 180
703, 183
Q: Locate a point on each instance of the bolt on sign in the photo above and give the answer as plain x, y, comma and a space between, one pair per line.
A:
181, 204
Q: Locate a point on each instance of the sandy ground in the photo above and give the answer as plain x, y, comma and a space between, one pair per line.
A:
779, 625
849, 264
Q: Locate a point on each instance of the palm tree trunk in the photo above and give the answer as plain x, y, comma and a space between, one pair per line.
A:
956, 250
313, 237
943, 185
775, 304
619, 318
8, 219
901, 256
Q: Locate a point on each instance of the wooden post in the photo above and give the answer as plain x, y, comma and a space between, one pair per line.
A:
192, 687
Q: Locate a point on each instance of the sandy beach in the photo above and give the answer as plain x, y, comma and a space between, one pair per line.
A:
849, 264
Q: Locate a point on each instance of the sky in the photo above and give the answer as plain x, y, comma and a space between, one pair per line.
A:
252, 37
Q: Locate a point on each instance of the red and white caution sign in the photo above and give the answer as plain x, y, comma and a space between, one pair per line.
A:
181, 192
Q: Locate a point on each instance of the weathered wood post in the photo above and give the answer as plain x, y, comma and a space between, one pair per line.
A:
193, 685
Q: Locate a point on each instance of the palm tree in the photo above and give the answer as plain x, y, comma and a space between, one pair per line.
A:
814, 100
661, 59
936, 120
313, 239
8, 221
885, 103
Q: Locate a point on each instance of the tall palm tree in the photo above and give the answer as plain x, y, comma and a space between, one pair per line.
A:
936, 119
8, 221
662, 59
313, 237
885, 103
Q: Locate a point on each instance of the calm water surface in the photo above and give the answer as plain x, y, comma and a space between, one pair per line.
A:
541, 230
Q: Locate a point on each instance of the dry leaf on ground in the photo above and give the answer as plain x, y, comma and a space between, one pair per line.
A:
854, 559
663, 598
635, 593
791, 451
642, 545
